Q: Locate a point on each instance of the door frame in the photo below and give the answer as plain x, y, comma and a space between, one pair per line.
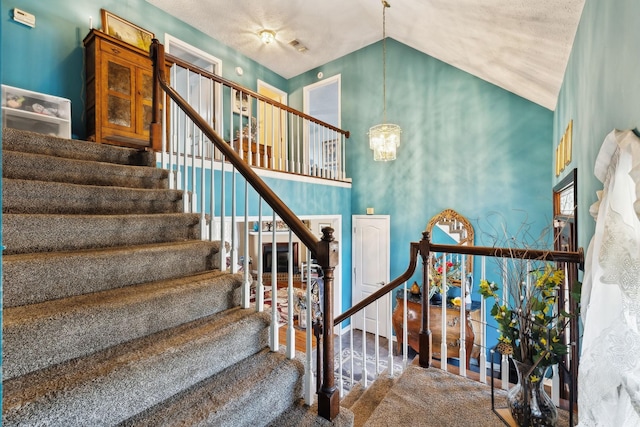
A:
281, 140
355, 290
306, 108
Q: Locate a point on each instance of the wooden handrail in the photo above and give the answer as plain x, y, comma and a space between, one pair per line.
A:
324, 250
191, 67
543, 255
536, 254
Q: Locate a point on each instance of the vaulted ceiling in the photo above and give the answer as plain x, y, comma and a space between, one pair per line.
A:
520, 45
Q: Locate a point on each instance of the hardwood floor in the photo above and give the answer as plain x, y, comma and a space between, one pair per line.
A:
300, 338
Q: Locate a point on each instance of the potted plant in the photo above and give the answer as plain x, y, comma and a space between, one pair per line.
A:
531, 327
440, 268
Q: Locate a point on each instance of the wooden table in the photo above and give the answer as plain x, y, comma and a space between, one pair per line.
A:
414, 316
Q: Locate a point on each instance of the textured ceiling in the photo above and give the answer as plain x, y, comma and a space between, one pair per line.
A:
520, 45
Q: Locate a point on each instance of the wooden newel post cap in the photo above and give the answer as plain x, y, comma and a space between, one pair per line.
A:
327, 234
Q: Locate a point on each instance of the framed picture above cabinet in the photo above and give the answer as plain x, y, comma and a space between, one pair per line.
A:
125, 31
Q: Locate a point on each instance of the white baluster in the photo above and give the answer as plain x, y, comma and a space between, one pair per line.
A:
310, 379
260, 286
443, 317
376, 338
247, 279
483, 325
364, 349
275, 322
405, 326
389, 336
463, 318
291, 333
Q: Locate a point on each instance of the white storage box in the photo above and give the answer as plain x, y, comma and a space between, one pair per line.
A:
26, 110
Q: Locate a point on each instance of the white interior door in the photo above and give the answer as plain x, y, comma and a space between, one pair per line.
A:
371, 237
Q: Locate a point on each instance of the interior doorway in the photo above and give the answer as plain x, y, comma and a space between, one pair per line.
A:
201, 93
272, 123
371, 239
322, 101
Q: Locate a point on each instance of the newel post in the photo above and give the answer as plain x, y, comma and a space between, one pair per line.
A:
328, 395
425, 328
155, 131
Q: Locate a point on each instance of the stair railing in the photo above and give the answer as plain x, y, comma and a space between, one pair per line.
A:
266, 133
199, 178
425, 250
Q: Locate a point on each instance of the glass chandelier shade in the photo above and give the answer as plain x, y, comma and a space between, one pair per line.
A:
384, 140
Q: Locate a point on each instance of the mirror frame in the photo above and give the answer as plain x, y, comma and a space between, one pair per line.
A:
450, 217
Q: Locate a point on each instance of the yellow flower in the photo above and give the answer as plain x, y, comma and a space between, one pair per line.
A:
456, 301
504, 339
543, 341
534, 378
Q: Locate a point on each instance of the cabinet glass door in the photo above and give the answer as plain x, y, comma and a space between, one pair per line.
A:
145, 80
120, 87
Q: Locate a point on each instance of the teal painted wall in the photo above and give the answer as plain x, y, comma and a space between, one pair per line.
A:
466, 145
600, 92
56, 40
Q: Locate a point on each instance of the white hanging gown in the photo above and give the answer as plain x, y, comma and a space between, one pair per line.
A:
609, 373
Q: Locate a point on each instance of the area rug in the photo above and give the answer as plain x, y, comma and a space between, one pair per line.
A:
348, 356
282, 303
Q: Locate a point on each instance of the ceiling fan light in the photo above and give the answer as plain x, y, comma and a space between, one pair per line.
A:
267, 36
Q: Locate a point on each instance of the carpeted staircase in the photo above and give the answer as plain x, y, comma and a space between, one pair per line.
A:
114, 312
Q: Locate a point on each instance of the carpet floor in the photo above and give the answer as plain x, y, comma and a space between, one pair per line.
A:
434, 398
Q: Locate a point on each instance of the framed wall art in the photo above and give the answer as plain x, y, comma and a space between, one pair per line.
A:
126, 31
240, 105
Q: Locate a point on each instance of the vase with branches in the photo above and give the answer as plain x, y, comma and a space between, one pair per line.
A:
532, 325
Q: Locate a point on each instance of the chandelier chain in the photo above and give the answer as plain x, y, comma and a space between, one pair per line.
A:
385, 5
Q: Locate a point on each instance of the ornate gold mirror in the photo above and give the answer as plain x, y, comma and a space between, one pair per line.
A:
450, 228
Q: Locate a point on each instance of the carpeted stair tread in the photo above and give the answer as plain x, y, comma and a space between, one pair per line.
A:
370, 399
31, 142
94, 270
37, 335
301, 415
252, 392
113, 385
25, 233
28, 196
40, 167
353, 396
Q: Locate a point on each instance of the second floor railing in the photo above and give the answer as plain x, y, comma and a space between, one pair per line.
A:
265, 133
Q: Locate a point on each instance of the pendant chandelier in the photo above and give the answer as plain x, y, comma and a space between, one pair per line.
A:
384, 139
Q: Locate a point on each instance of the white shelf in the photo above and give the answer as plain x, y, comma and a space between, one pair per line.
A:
30, 115
37, 112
